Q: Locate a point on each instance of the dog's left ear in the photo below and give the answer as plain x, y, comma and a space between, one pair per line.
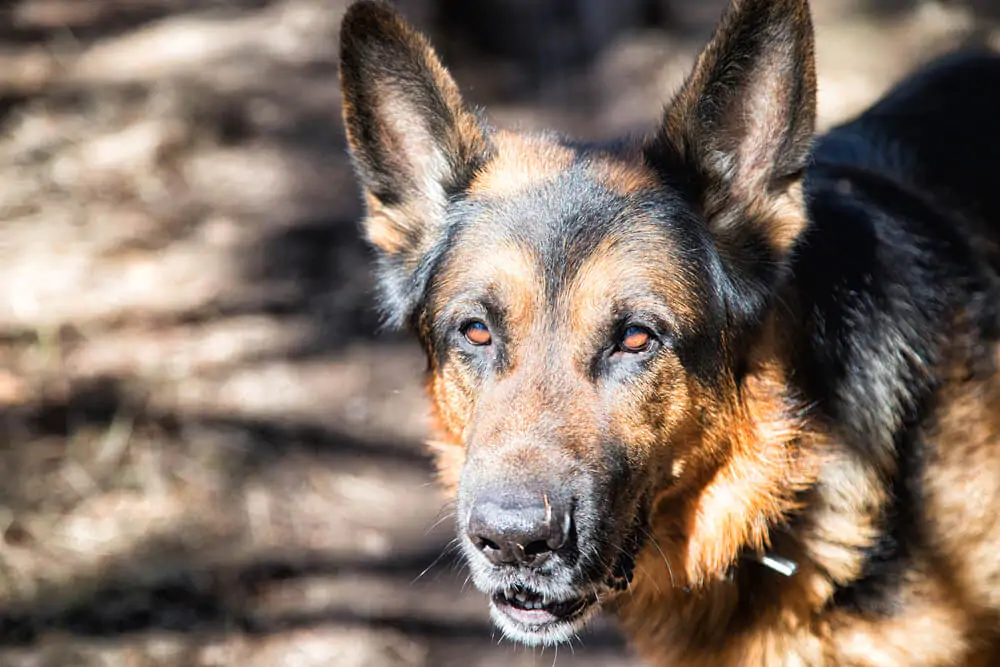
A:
740, 130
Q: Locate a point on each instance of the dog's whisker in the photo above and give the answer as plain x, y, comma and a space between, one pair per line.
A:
444, 552
448, 513
649, 578
666, 560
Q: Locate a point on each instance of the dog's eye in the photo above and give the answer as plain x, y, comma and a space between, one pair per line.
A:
636, 339
477, 333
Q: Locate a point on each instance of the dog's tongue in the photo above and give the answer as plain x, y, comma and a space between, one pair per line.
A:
531, 616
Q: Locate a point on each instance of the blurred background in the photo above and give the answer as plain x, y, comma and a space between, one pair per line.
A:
209, 456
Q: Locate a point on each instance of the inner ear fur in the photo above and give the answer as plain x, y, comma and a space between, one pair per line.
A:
740, 130
413, 140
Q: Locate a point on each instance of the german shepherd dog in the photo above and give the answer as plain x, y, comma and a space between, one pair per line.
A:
733, 382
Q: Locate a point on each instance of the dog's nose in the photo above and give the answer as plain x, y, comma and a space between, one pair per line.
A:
519, 529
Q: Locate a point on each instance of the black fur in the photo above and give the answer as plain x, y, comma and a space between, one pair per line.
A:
902, 204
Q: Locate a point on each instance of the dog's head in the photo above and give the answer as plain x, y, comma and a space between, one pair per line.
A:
589, 313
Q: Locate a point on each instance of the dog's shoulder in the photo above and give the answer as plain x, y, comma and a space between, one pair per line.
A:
903, 241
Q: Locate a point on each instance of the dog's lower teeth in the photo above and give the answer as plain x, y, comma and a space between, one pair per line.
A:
529, 601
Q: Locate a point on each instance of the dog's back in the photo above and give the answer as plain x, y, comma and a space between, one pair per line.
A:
936, 134
895, 305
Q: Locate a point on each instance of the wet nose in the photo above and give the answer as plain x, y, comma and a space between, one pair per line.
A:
519, 528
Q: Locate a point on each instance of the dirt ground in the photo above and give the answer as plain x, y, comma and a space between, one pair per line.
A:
209, 455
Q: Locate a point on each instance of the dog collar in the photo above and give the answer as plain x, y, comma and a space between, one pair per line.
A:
782, 566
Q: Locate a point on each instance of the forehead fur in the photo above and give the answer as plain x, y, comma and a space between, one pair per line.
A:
493, 268
633, 271
573, 244
521, 161
518, 162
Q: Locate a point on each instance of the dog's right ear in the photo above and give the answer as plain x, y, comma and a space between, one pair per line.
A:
413, 140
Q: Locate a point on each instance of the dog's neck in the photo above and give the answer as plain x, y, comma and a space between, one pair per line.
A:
750, 609
787, 489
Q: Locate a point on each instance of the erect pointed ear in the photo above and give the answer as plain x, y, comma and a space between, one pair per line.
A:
413, 141
740, 130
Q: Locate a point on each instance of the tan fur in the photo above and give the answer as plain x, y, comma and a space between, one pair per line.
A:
390, 228
944, 606
753, 489
509, 270
613, 266
964, 466
520, 161
624, 174
783, 216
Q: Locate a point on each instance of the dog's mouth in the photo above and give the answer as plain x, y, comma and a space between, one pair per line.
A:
534, 617
534, 612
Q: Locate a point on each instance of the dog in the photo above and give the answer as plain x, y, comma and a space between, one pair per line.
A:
735, 383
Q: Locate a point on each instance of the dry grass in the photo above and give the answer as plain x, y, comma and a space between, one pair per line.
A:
208, 455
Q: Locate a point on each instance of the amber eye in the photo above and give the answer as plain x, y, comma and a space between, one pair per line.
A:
477, 333
636, 339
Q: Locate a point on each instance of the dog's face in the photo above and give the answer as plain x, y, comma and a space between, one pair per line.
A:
588, 313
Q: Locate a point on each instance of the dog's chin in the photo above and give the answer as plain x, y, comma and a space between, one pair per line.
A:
529, 617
